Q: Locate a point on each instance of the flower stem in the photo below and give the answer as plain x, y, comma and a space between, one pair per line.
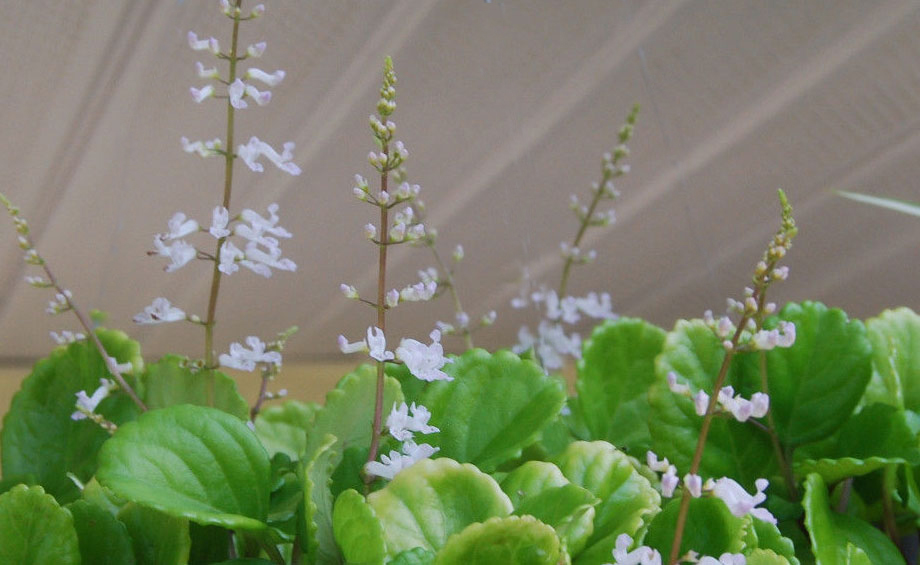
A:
585, 222
381, 312
458, 308
228, 185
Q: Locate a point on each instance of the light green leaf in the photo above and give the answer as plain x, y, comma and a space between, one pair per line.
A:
895, 338
614, 374
357, 529
167, 383
496, 405
283, 428
767, 537
103, 539
157, 538
710, 528
432, 500
39, 437
540, 490
414, 556
34, 530
733, 449
511, 540
628, 501
883, 202
190, 461
876, 437
831, 532
766, 557
816, 383
320, 545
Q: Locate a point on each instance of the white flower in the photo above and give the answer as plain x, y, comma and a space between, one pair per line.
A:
401, 425
273, 79
87, 404
724, 559
206, 72
377, 344
66, 337
349, 348
258, 225
419, 292
210, 43
701, 403
270, 258
694, 484
783, 336
642, 555
256, 49
738, 500
202, 148
596, 306
220, 217
651, 459
160, 310
396, 462
250, 152
424, 361
229, 254
61, 303
349, 291
179, 226
246, 359
202, 94
179, 253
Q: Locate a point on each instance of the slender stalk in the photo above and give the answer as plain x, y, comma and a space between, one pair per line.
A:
381, 311
585, 222
91, 334
228, 185
455, 296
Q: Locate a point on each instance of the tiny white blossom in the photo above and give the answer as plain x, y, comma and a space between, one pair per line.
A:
738, 500
209, 44
179, 253
246, 359
259, 225
229, 255
66, 337
179, 226
370, 231
377, 344
271, 79
669, 482
86, 404
694, 484
596, 306
201, 94
395, 462
349, 348
402, 425
392, 298
160, 310
256, 49
204, 72
220, 217
250, 152
651, 459
419, 292
642, 555
424, 361
349, 291
202, 148
61, 303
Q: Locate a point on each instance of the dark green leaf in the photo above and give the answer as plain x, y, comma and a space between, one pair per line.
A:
710, 528
157, 539
103, 539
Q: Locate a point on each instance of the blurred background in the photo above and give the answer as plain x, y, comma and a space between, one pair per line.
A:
506, 108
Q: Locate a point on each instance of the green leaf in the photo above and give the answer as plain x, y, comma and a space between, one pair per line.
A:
158, 539
168, 383
103, 539
831, 532
767, 537
318, 530
733, 449
710, 528
283, 428
876, 437
209, 544
511, 540
495, 406
895, 338
614, 374
349, 410
414, 556
34, 530
190, 461
816, 383
431, 500
540, 490
628, 500
39, 437
766, 557
357, 529
883, 202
